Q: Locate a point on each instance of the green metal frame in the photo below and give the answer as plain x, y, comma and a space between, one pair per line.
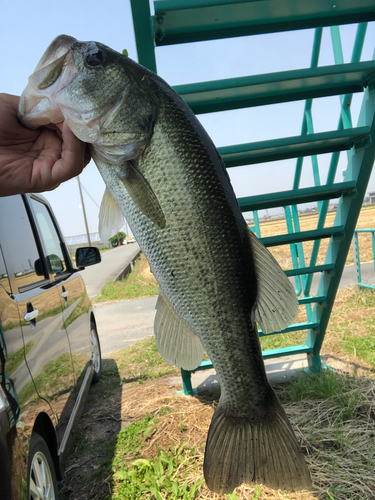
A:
182, 21
357, 260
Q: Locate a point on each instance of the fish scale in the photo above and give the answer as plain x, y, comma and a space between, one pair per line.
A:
219, 317
164, 174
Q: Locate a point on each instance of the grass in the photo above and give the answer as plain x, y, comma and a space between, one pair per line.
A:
141, 361
159, 454
140, 283
158, 477
351, 330
269, 342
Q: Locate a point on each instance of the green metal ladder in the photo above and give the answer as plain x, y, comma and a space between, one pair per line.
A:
183, 21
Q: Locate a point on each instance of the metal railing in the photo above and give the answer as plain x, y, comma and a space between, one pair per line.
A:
357, 260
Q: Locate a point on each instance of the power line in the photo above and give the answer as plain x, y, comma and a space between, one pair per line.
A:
89, 195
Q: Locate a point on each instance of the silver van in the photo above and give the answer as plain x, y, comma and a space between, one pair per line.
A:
49, 347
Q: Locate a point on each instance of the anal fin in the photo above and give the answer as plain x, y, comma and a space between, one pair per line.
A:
277, 304
175, 341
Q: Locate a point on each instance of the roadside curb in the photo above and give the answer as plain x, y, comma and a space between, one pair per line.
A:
129, 267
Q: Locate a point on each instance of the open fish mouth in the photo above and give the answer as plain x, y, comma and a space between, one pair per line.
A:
37, 106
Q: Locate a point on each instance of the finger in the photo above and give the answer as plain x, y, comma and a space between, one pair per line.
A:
57, 127
73, 153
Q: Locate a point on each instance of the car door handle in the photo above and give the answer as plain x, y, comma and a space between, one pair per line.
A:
64, 294
29, 316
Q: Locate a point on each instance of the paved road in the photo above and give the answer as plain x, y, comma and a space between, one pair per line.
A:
113, 263
349, 275
122, 323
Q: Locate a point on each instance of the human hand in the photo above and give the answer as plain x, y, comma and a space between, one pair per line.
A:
36, 160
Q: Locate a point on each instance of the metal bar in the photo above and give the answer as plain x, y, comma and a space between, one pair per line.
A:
339, 59
358, 42
293, 250
309, 270
311, 300
269, 354
294, 197
364, 285
296, 327
256, 222
144, 33
356, 254
286, 351
301, 255
322, 217
358, 262
198, 21
272, 88
314, 158
186, 382
297, 176
314, 63
283, 239
292, 147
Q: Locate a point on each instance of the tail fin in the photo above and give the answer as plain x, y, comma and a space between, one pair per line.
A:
266, 452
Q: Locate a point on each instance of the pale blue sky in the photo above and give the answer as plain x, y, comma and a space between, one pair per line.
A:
26, 29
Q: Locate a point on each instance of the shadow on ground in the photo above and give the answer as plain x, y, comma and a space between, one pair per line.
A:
88, 471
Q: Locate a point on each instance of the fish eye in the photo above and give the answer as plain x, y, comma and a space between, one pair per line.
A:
94, 59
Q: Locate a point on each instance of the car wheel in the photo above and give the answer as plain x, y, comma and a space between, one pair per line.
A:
96, 354
41, 475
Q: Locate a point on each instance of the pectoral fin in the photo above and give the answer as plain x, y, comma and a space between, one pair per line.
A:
111, 219
175, 341
142, 194
277, 305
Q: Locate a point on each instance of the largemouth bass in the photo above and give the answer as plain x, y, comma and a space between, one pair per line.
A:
217, 281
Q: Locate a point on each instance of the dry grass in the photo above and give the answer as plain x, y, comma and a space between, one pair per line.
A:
309, 222
340, 451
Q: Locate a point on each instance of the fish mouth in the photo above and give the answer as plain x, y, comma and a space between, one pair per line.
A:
35, 107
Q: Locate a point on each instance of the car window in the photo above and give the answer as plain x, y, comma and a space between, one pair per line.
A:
28, 267
51, 239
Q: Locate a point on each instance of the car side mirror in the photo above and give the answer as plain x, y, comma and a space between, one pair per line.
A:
56, 263
87, 256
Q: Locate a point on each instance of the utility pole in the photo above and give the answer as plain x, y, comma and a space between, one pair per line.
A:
84, 211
